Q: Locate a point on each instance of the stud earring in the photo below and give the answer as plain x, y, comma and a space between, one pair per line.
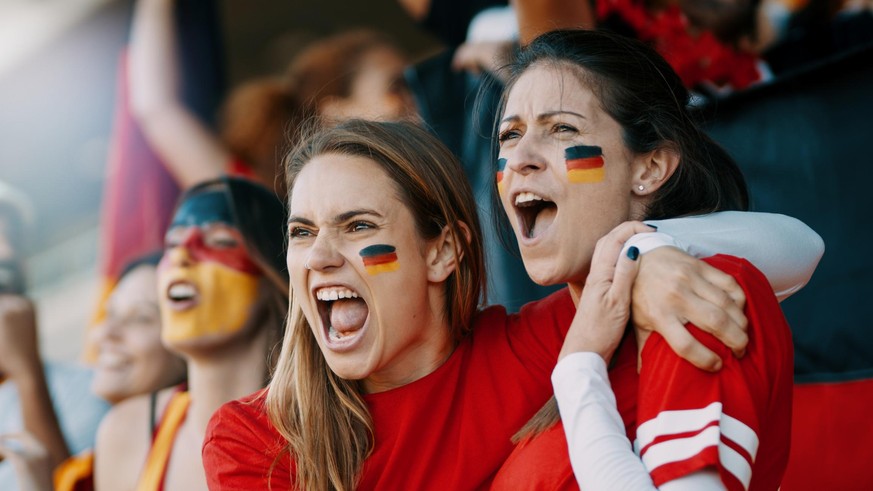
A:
641, 187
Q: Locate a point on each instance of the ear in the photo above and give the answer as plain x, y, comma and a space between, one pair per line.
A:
445, 253
653, 169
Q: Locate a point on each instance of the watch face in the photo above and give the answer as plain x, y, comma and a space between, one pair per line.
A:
11, 278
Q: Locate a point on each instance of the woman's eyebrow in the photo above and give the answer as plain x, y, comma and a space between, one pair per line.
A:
549, 114
346, 216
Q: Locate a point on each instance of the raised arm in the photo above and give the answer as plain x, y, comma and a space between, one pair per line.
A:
20, 362
189, 149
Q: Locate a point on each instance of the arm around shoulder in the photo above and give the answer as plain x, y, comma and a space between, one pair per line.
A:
785, 249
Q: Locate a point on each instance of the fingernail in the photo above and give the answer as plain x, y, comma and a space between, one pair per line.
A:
716, 366
742, 353
633, 253
653, 226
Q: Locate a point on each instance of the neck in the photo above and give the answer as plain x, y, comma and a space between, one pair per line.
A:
219, 377
576, 291
423, 355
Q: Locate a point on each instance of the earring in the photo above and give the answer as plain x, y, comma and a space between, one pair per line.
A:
306, 265
641, 187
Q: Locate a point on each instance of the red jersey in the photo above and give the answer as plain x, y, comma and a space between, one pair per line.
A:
448, 430
685, 419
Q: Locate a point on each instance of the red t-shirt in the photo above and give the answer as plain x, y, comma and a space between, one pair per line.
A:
685, 419
448, 430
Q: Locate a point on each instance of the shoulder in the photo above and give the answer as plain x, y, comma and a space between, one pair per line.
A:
242, 426
123, 441
242, 449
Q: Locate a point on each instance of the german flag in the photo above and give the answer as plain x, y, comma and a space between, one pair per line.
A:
379, 258
584, 163
501, 164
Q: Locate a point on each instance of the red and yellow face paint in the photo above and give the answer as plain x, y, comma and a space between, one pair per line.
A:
501, 164
379, 258
208, 282
584, 164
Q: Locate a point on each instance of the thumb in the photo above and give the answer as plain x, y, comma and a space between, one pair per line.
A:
625, 273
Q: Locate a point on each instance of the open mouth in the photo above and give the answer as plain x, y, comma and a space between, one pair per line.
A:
343, 313
534, 213
181, 295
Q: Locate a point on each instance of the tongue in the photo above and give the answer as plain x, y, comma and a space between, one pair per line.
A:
348, 315
543, 219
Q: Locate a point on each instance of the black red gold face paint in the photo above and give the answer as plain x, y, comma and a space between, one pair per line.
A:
584, 164
379, 258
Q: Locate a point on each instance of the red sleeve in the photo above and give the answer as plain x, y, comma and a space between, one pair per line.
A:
242, 450
737, 420
536, 333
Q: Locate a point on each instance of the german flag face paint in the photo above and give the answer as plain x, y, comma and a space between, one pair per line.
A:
584, 164
379, 258
501, 164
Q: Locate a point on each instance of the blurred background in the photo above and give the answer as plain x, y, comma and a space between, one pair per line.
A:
58, 65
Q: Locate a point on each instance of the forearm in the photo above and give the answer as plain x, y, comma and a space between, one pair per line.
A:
188, 148
783, 248
153, 63
38, 414
600, 453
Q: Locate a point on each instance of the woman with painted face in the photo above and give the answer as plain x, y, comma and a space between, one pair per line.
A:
222, 295
390, 376
595, 132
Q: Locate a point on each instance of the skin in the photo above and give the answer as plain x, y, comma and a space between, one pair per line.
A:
223, 364
131, 359
378, 91
544, 114
534, 132
207, 256
341, 204
550, 109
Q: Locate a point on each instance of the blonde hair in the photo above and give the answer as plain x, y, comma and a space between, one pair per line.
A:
323, 417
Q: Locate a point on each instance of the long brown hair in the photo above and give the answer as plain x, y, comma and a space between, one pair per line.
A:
323, 417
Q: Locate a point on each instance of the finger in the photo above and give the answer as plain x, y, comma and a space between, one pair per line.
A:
717, 313
715, 320
609, 247
733, 330
725, 282
687, 347
625, 273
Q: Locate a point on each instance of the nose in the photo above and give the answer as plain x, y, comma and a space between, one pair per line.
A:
178, 256
526, 157
323, 256
103, 331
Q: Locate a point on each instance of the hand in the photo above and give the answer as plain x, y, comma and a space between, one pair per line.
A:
19, 352
30, 459
604, 308
484, 55
672, 289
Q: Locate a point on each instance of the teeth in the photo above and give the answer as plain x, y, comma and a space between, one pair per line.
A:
334, 293
527, 198
181, 291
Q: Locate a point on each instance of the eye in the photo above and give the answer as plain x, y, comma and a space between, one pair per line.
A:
360, 225
299, 233
221, 239
563, 128
506, 135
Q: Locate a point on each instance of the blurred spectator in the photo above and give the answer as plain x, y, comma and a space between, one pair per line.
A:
255, 120
34, 438
355, 74
223, 293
